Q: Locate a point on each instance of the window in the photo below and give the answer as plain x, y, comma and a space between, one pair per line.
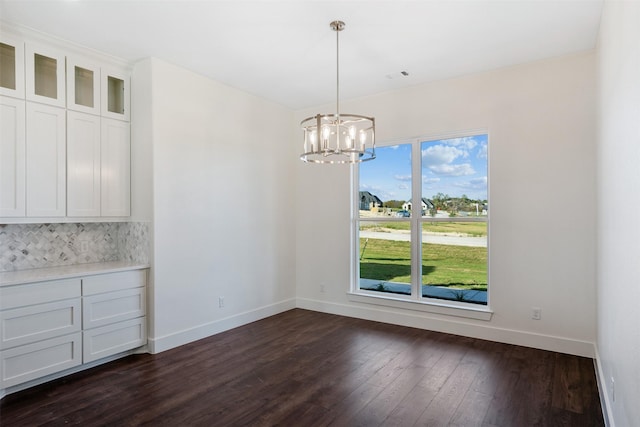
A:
422, 223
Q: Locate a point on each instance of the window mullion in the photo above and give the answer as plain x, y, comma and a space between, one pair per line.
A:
416, 213
354, 175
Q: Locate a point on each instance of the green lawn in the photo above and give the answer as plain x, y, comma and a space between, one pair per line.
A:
460, 267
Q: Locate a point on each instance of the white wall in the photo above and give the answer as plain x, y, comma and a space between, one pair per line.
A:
222, 187
619, 204
142, 143
540, 118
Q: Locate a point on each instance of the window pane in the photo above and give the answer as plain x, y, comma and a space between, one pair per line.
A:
454, 254
454, 176
115, 95
84, 87
7, 66
385, 183
45, 76
385, 257
454, 261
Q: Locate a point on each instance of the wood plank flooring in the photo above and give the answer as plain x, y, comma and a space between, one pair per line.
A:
303, 368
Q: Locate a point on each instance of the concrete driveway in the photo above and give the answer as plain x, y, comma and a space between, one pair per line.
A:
437, 238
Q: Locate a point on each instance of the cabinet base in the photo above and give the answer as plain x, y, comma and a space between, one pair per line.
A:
10, 390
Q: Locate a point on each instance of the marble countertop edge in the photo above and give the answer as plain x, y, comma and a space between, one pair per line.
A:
18, 277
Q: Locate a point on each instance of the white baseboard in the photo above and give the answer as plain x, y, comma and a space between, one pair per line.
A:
603, 390
453, 326
176, 339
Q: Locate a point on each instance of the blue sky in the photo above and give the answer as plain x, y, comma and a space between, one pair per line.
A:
453, 166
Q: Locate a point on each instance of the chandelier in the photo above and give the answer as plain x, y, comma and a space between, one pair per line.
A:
338, 138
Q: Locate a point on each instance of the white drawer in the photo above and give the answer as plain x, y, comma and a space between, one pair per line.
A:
33, 323
103, 309
28, 362
38, 293
112, 339
113, 282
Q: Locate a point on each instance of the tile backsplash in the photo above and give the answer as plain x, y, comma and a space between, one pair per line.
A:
24, 246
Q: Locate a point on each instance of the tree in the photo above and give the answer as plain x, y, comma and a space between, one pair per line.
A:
440, 200
393, 204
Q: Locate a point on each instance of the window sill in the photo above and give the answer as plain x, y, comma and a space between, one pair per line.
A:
429, 307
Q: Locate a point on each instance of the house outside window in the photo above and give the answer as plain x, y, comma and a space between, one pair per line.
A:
434, 252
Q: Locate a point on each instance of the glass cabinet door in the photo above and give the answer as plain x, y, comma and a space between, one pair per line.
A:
115, 94
83, 86
45, 75
11, 67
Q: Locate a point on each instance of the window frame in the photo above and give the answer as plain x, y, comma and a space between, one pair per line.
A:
415, 301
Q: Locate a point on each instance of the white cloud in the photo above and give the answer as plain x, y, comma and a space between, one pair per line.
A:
402, 177
453, 170
437, 155
403, 187
426, 180
475, 183
483, 152
479, 182
371, 189
467, 142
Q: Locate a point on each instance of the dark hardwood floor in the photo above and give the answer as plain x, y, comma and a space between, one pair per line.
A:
303, 368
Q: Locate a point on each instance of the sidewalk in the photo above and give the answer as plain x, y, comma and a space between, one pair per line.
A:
439, 292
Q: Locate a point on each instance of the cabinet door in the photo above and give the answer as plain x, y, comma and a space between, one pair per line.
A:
32, 361
115, 166
26, 325
110, 282
46, 138
115, 94
11, 67
103, 309
113, 339
83, 164
83, 86
22, 295
45, 71
12, 157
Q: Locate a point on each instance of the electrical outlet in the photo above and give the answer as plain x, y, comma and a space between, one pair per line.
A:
84, 246
536, 313
613, 389
221, 302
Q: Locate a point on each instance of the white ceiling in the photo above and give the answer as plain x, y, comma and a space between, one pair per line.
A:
285, 51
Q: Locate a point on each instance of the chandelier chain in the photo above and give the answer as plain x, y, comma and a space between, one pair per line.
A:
338, 73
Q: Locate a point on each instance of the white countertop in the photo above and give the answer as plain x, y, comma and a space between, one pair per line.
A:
8, 278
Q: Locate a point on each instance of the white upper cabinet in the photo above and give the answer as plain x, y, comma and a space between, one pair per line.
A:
65, 143
115, 168
11, 67
46, 142
115, 94
83, 164
45, 75
83, 86
12, 157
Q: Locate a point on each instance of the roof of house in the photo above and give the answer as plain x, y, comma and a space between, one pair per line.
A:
367, 197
